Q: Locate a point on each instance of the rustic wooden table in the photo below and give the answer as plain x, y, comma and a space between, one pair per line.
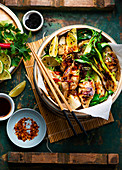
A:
106, 139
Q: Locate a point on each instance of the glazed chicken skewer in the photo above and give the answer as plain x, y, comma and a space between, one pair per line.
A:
48, 78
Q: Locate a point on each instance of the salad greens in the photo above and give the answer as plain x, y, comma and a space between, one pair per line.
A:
17, 40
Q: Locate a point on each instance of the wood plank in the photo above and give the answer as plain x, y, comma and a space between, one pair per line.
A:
61, 3
63, 158
113, 158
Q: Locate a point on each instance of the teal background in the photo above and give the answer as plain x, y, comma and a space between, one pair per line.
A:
106, 139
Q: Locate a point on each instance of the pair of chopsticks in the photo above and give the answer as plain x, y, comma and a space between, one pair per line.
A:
52, 83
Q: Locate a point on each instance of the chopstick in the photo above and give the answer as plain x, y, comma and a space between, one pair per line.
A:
48, 78
53, 91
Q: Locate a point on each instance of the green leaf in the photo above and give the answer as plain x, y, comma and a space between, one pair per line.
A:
99, 47
84, 34
110, 92
30, 34
15, 61
13, 49
96, 97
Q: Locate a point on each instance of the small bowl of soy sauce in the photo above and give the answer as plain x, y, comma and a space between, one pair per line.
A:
33, 20
7, 106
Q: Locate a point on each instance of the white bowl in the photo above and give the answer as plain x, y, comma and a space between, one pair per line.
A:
51, 105
37, 117
26, 16
3, 95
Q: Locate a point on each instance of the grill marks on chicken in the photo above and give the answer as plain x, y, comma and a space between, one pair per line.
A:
70, 79
111, 62
86, 92
71, 76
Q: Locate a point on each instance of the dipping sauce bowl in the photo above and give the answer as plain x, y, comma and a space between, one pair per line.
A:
33, 20
7, 106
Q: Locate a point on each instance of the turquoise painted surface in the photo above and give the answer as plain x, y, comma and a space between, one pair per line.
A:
106, 139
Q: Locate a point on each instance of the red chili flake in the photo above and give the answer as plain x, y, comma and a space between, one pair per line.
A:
26, 133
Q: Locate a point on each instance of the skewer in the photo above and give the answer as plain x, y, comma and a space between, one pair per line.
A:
48, 78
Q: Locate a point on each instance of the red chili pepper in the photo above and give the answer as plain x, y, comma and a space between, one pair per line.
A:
5, 45
57, 72
56, 79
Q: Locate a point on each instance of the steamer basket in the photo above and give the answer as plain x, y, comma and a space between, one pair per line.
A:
49, 103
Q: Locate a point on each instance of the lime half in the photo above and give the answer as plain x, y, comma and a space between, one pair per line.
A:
18, 89
72, 39
50, 61
1, 67
5, 75
53, 50
6, 60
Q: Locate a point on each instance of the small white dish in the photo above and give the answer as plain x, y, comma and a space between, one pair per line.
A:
11, 104
26, 17
28, 113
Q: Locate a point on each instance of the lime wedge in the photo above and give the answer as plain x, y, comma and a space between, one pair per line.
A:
72, 39
6, 60
5, 75
18, 89
1, 67
53, 50
50, 61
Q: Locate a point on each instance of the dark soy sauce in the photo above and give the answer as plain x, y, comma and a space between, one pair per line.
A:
33, 21
5, 107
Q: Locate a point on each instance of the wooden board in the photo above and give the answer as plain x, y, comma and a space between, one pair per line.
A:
63, 158
101, 4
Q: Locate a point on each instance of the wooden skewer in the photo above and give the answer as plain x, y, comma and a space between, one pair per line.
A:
48, 78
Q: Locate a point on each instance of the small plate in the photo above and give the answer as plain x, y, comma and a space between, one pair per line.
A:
36, 116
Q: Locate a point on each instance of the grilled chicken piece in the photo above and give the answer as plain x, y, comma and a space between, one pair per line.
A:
71, 75
98, 85
67, 61
86, 92
111, 61
74, 101
65, 88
